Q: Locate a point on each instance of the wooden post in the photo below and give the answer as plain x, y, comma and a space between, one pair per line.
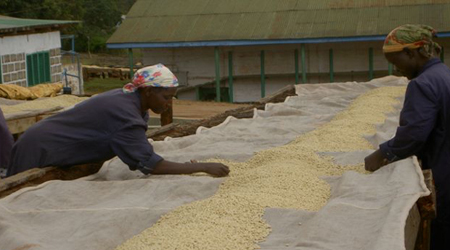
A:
427, 211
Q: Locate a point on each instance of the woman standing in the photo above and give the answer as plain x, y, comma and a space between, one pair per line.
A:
424, 128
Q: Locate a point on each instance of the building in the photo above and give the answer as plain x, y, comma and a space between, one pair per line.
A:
242, 50
30, 51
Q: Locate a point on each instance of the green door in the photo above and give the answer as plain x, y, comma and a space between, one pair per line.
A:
38, 68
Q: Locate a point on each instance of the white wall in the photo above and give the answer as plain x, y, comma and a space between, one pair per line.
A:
249, 90
351, 63
29, 43
198, 62
187, 95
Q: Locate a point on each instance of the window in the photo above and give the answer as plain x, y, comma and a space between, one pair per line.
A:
38, 68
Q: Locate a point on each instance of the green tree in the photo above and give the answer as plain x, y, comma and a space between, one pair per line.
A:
98, 17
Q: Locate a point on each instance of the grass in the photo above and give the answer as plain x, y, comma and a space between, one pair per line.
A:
98, 85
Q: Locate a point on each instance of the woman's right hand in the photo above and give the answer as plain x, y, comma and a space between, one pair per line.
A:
215, 169
375, 161
212, 168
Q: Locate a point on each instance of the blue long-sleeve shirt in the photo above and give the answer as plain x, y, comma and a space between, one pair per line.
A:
424, 128
6, 142
110, 124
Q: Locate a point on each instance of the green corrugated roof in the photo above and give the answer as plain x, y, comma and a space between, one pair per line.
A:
10, 24
165, 21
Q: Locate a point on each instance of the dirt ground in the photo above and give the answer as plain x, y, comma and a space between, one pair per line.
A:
198, 110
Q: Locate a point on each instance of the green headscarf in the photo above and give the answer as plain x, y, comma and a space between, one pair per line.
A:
410, 36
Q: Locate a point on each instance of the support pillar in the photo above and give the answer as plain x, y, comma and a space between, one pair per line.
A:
130, 55
230, 76
370, 63
390, 68
296, 66
331, 66
263, 75
217, 63
303, 63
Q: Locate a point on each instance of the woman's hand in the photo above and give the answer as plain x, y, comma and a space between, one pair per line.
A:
215, 169
212, 168
375, 161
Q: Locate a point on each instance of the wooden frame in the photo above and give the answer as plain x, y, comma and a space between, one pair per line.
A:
426, 205
37, 176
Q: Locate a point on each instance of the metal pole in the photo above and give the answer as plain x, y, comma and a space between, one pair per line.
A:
296, 66
216, 52
130, 55
230, 76
331, 66
442, 54
73, 47
390, 68
263, 76
303, 63
65, 76
370, 63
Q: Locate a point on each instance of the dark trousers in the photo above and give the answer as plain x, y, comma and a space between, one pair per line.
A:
440, 227
440, 235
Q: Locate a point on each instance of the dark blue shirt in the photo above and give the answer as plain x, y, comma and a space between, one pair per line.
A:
97, 129
424, 128
6, 142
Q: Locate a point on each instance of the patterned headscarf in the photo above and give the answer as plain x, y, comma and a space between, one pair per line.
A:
155, 76
410, 36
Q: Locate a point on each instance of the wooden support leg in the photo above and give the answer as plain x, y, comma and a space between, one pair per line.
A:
167, 116
423, 236
427, 210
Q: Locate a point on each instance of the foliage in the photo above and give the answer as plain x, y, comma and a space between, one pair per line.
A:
98, 17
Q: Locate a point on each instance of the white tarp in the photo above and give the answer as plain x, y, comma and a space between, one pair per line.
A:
103, 210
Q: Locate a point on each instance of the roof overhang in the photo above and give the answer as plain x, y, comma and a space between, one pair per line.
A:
18, 26
251, 42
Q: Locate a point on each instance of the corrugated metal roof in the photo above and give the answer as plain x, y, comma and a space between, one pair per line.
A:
10, 24
169, 21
